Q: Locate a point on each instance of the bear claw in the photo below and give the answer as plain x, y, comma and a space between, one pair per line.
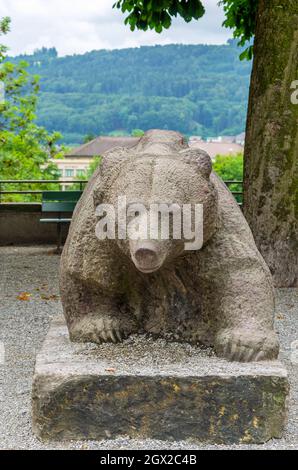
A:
247, 346
98, 330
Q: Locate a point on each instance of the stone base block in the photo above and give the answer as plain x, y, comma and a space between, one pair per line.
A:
145, 388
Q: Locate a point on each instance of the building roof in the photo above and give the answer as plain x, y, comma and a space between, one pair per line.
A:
217, 148
100, 145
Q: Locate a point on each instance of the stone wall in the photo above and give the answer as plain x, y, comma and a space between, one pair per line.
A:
20, 224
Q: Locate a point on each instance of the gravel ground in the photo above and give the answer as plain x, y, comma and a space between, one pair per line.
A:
24, 324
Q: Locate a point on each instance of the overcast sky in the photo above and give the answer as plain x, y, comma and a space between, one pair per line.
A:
78, 26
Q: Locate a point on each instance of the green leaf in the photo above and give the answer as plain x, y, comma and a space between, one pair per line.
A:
157, 14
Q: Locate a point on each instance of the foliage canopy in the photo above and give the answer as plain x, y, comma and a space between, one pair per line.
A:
157, 15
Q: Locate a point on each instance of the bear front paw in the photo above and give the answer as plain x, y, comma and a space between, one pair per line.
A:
247, 345
101, 329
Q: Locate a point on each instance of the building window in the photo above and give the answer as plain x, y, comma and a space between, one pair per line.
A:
80, 172
69, 172
60, 173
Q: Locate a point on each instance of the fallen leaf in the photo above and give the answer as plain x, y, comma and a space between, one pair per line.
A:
110, 369
280, 316
24, 296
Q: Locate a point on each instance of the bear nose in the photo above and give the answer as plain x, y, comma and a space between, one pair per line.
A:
145, 256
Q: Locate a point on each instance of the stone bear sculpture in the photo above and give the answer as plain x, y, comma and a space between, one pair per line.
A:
220, 295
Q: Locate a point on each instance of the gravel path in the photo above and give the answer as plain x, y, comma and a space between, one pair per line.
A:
31, 273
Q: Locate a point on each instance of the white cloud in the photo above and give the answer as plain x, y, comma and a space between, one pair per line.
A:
77, 26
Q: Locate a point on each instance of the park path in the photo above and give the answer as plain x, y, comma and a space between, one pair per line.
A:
29, 298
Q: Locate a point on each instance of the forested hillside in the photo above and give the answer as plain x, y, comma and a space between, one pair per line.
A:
196, 89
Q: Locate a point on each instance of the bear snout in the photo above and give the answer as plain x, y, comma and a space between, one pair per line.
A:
146, 257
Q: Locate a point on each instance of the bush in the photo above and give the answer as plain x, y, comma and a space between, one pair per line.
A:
230, 168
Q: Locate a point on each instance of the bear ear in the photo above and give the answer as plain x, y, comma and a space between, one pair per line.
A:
201, 158
204, 163
107, 171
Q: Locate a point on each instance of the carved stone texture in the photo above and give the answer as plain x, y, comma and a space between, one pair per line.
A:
220, 295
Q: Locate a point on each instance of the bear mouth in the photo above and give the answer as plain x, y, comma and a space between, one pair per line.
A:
148, 269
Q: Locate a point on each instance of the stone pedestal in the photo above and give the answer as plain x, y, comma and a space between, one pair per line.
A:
147, 388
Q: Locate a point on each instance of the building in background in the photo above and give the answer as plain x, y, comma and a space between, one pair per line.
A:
240, 139
77, 161
220, 145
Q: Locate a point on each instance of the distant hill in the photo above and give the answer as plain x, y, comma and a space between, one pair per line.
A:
196, 89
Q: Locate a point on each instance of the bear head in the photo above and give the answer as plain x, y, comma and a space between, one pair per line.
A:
151, 179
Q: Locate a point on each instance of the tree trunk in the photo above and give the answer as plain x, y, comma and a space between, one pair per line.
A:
271, 149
